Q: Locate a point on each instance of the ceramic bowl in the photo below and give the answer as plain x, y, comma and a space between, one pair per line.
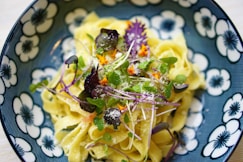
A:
43, 37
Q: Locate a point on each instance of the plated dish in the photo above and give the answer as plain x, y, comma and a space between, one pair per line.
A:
219, 62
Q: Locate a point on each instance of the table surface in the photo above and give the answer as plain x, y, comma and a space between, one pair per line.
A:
12, 9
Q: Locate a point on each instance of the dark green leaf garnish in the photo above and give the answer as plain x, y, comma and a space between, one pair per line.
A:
81, 63
169, 60
114, 78
99, 123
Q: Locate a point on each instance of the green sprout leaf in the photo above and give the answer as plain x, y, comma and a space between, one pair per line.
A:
114, 78
111, 102
34, 87
107, 137
144, 65
81, 63
164, 68
100, 50
149, 88
99, 123
98, 102
90, 36
126, 118
169, 60
180, 78
168, 89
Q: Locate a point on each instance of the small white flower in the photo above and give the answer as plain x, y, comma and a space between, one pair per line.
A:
75, 18
205, 22
168, 24
222, 138
27, 48
189, 138
28, 116
217, 81
110, 2
39, 18
186, 3
228, 43
23, 148
233, 108
8, 72
145, 2
48, 143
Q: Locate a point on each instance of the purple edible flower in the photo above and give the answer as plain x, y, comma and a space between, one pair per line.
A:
136, 33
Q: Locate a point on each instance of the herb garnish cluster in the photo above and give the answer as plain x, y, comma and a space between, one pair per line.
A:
126, 76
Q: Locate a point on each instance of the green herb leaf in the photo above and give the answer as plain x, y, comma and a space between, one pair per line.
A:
100, 50
111, 102
99, 123
126, 118
100, 103
149, 88
114, 78
169, 60
81, 63
130, 134
107, 137
124, 160
137, 88
180, 78
144, 65
34, 87
124, 67
168, 89
164, 68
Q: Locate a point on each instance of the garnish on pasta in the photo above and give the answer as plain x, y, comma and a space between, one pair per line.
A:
124, 96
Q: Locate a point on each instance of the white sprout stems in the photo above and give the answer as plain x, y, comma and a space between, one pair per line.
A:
167, 111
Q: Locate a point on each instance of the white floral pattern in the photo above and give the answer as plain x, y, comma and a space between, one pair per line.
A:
27, 48
199, 59
39, 18
145, 2
8, 72
48, 143
189, 137
23, 148
217, 81
205, 22
28, 115
46, 74
222, 138
110, 2
233, 108
186, 3
228, 42
188, 133
68, 48
168, 23
75, 18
